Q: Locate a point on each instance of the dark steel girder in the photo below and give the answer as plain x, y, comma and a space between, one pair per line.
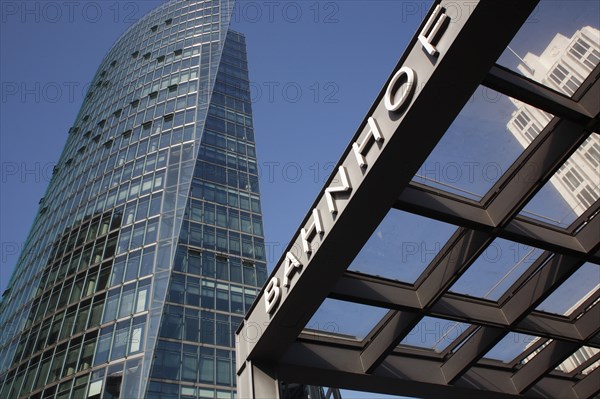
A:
538, 95
589, 386
433, 203
461, 250
409, 372
380, 292
541, 159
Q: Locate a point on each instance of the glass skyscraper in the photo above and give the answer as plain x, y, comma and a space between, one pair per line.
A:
148, 246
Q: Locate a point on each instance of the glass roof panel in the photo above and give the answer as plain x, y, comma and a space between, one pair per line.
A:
558, 46
347, 318
402, 246
581, 356
574, 291
573, 188
434, 333
496, 269
511, 346
482, 143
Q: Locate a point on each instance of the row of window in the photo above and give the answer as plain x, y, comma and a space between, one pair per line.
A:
64, 360
139, 70
221, 216
230, 177
127, 300
120, 168
134, 265
73, 320
83, 203
584, 50
225, 196
225, 158
167, 83
113, 196
198, 327
74, 289
216, 266
565, 79
141, 234
64, 264
121, 379
198, 292
526, 125
119, 340
130, 152
164, 390
89, 190
156, 42
203, 367
222, 240
173, 85
233, 129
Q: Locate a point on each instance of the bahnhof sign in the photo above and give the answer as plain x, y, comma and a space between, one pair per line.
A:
448, 59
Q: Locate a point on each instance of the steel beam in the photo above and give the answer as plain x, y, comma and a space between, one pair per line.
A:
377, 291
546, 275
470, 352
545, 361
536, 94
406, 372
588, 387
541, 281
433, 203
544, 156
460, 251
588, 235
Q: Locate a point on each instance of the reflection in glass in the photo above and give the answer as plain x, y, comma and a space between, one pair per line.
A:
511, 346
573, 189
400, 253
584, 283
340, 317
558, 46
496, 269
434, 333
477, 150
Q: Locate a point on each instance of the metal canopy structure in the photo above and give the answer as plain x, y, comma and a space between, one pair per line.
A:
444, 64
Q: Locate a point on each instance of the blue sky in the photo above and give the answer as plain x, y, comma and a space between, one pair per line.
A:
315, 69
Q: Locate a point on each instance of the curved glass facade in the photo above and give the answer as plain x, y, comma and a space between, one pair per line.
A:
148, 246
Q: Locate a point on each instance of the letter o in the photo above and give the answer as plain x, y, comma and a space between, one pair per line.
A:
390, 103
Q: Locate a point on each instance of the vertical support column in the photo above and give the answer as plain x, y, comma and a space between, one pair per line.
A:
256, 382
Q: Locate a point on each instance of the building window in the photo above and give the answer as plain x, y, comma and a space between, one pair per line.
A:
584, 52
566, 81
